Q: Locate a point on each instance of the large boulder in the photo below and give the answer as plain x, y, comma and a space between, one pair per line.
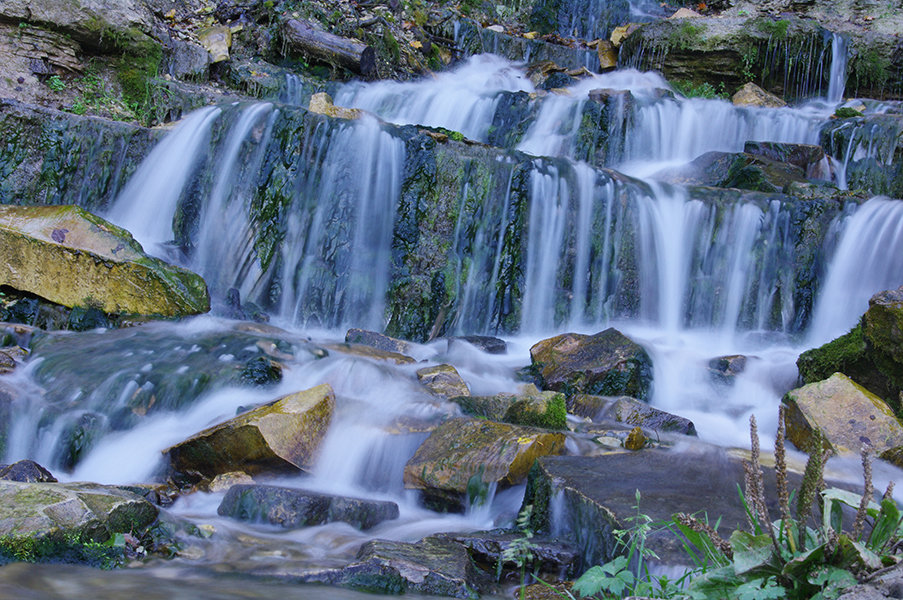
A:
752, 95
462, 457
282, 436
292, 508
882, 329
55, 521
607, 363
377, 340
73, 258
848, 415
629, 411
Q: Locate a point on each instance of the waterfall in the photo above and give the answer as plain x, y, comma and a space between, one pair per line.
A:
336, 253
462, 100
868, 259
838, 77
147, 203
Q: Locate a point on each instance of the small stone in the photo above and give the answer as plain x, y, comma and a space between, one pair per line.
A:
443, 381
321, 103
635, 439
20, 80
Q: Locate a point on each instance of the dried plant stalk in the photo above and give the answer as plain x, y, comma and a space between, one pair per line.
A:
867, 493
780, 471
700, 527
812, 480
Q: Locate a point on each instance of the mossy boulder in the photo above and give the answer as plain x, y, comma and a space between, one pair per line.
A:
443, 381
73, 258
531, 408
607, 363
67, 522
292, 508
882, 330
463, 456
377, 340
848, 415
629, 411
282, 436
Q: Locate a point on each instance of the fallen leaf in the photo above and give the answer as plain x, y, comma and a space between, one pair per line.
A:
416, 44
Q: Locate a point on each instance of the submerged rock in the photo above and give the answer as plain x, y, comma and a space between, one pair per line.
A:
281, 436
550, 554
847, 414
629, 411
292, 508
366, 351
462, 457
73, 258
443, 381
486, 343
607, 363
377, 340
726, 368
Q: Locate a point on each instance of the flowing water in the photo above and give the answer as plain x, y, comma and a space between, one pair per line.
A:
710, 278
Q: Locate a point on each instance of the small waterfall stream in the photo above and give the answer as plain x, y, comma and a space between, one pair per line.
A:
303, 215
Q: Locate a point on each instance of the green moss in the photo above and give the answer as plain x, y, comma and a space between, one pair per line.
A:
686, 36
870, 70
554, 416
775, 29
845, 112
692, 89
72, 548
845, 355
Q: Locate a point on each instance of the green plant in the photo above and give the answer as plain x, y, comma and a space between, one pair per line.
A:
691, 89
520, 550
787, 558
775, 29
686, 36
55, 83
748, 59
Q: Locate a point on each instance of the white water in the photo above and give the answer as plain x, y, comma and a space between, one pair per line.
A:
147, 203
838, 77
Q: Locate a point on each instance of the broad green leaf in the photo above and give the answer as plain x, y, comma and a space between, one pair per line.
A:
800, 566
851, 499
719, 583
886, 525
751, 552
853, 553
761, 589
591, 582
832, 580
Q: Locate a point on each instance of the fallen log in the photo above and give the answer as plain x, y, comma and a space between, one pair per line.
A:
303, 37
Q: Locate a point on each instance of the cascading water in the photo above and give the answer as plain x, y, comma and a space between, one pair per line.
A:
837, 81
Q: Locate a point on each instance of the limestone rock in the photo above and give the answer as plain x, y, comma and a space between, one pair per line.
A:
71, 257
216, 40
629, 411
803, 156
607, 363
432, 566
846, 413
462, 453
608, 56
365, 351
282, 436
321, 103
618, 34
752, 95
443, 381
224, 481
685, 13
293, 508
725, 368
55, 510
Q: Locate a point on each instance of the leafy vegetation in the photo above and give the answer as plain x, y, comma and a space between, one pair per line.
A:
691, 89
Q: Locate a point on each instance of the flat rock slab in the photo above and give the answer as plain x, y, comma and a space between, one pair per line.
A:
847, 414
71, 257
583, 499
277, 437
443, 381
550, 554
57, 510
293, 508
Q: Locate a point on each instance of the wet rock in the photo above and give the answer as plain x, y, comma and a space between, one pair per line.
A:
292, 508
607, 363
278, 437
431, 566
443, 381
260, 371
486, 343
620, 33
531, 408
67, 255
7, 363
752, 95
550, 554
847, 414
636, 440
224, 481
370, 352
377, 340
55, 519
629, 411
463, 456
760, 174
588, 497
608, 56
882, 330
26, 471
725, 368
321, 103
803, 156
